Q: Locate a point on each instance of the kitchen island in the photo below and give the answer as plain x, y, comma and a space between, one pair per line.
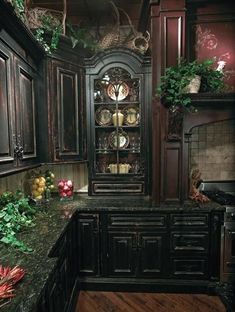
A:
109, 219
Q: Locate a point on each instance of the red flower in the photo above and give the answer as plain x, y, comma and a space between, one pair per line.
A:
9, 277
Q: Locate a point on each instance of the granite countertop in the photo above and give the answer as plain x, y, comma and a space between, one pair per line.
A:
50, 223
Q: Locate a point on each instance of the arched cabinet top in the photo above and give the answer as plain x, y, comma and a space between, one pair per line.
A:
123, 57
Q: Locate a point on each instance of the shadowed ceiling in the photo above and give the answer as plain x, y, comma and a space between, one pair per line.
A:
95, 12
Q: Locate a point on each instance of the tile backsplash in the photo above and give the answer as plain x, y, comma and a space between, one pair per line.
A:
212, 150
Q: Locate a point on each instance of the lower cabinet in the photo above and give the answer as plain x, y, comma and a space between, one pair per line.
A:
134, 244
88, 241
60, 289
135, 254
160, 251
121, 254
149, 245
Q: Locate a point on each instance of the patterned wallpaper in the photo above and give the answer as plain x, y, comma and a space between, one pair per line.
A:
216, 40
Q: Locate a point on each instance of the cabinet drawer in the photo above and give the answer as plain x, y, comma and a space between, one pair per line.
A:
115, 188
197, 242
138, 220
89, 219
196, 268
200, 220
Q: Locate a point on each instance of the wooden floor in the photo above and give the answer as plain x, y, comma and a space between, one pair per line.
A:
91, 301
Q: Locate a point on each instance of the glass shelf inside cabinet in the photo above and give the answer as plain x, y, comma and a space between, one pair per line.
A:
117, 118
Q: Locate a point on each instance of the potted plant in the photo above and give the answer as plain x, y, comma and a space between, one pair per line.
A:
175, 85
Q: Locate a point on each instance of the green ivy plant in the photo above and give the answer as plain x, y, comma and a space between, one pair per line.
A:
80, 36
19, 8
50, 27
176, 78
48, 34
15, 214
53, 29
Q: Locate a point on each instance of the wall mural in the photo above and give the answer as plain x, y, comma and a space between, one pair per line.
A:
216, 40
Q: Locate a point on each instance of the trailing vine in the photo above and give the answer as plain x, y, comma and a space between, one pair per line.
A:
15, 214
80, 36
49, 27
19, 7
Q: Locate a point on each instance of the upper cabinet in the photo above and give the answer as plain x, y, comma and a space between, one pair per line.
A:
19, 76
63, 116
117, 92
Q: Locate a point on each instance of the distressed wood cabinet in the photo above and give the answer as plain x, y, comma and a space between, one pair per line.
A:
62, 128
135, 245
88, 237
20, 59
118, 84
61, 289
172, 248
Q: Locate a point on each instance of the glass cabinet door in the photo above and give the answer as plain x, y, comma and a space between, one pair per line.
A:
117, 119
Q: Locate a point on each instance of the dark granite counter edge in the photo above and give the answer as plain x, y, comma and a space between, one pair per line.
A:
50, 226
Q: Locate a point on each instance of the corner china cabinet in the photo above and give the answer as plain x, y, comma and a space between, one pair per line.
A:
118, 102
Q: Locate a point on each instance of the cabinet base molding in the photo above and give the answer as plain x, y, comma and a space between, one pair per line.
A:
147, 285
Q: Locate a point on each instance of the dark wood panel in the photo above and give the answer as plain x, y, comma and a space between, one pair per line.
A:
66, 111
68, 122
189, 242
88, 245
121, 254
137, 220
7, 121
151, 254
25, 111
189, 268
173, 40
172, 173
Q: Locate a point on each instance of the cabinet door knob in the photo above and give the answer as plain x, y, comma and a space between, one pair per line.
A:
19, 151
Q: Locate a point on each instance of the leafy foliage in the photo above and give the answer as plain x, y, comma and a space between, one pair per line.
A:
15, 214
49, 25
176, 78
80, 36
19, 8
48, 34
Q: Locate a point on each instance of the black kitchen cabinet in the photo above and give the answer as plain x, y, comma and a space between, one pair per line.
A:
173, 249
121, 254
7, 110
18, 111
61, 291
88, 242
63, 111
118, 89
152, 254
189, 247
135, 254
20, 68
25, 94
138, 250
136, 245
